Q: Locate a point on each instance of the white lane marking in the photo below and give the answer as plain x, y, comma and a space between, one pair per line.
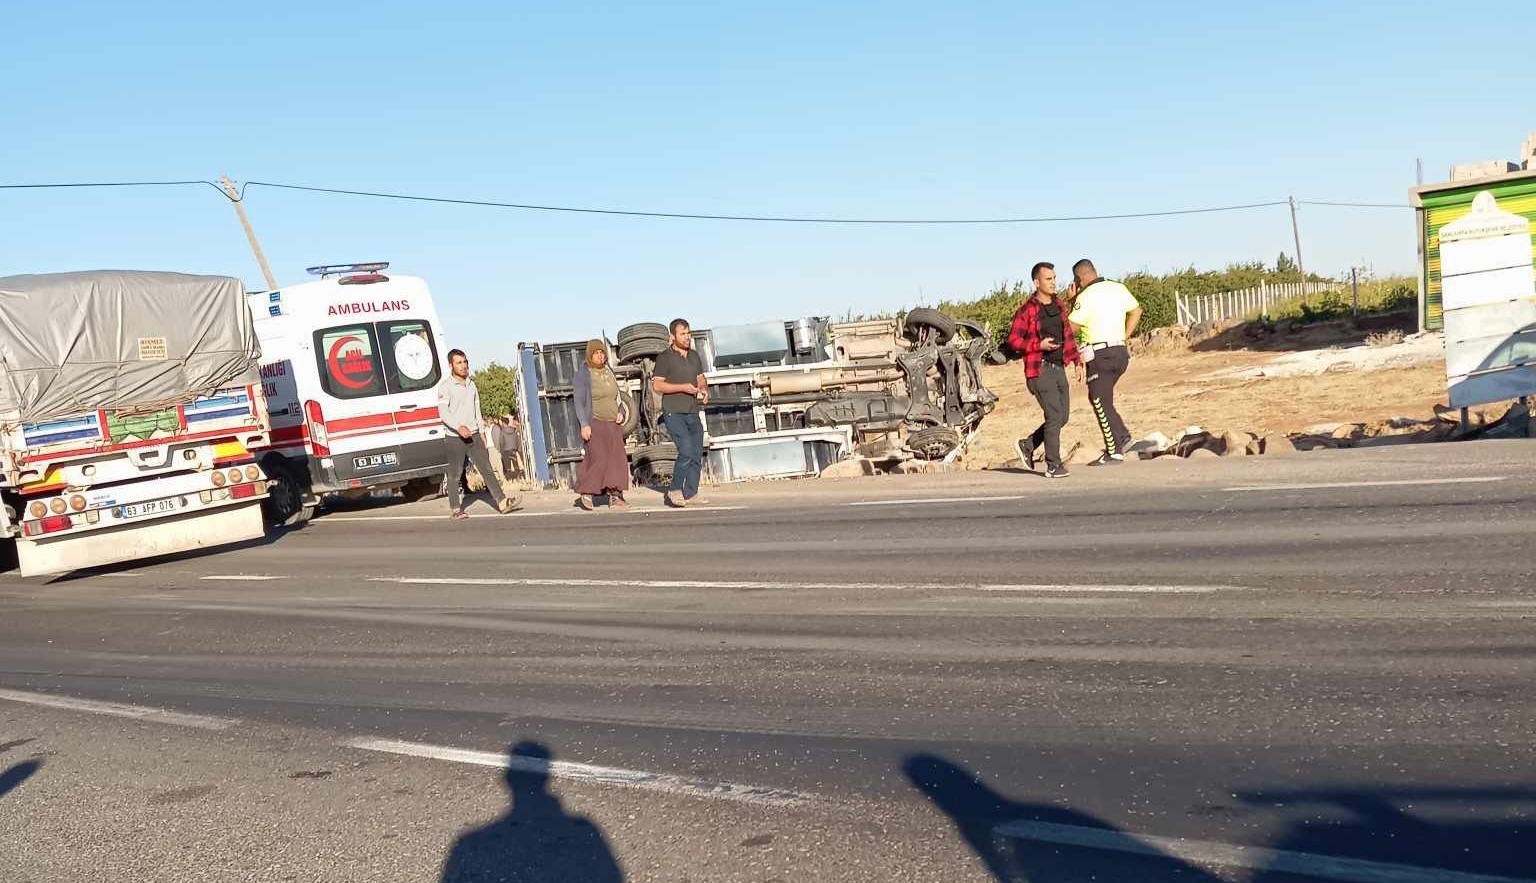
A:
1114, 589
118, 709
926, 501
602, 775
638, 510
1349, 484
240, 578
1274, 861
780, 586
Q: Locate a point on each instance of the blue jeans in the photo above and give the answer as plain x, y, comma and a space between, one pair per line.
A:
687, 432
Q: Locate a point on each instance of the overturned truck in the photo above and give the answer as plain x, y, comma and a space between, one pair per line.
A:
787, 398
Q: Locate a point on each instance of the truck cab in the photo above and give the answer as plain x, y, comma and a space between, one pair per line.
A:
350, 368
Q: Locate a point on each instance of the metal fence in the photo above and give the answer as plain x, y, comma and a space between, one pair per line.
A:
1246, 302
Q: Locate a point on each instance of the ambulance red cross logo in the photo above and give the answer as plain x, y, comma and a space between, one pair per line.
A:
349, 365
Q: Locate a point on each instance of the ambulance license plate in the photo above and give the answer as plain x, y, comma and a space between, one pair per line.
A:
375, 461
153, 507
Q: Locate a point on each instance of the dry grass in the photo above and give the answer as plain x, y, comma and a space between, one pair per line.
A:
1167, 393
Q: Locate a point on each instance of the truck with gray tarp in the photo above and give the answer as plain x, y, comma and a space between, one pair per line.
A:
129, 405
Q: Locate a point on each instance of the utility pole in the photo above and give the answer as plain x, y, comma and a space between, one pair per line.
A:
1296, 232
228, 187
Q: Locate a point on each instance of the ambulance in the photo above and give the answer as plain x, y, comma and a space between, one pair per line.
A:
350, 368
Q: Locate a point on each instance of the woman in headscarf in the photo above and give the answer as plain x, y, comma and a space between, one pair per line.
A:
604, 469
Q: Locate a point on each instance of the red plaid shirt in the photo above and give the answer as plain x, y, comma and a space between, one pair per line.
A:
1024, 337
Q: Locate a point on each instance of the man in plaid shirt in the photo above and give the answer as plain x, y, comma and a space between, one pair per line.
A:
1042, 333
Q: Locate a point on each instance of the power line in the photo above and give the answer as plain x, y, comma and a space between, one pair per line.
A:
106, 184
762, 218
1354, 204
700, 217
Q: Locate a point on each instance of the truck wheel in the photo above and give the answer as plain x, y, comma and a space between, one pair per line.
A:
641, 348
641, 329
284, 503
631, 413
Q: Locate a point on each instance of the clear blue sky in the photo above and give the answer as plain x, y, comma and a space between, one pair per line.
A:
890, 109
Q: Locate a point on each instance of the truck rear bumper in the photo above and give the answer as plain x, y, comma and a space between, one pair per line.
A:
201, 529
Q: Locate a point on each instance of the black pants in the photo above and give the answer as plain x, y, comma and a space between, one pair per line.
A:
1106, 369
1055, 397
477, 453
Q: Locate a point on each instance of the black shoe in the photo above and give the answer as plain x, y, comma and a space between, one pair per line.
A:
1026, 448
1123, 444
1056, 472
1108, 459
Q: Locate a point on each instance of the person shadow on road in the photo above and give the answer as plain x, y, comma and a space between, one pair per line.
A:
984, 819
537, 841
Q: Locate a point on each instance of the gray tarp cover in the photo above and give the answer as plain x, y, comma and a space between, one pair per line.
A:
119, 339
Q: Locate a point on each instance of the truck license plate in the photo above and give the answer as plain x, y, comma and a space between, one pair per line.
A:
153, 507
375, 461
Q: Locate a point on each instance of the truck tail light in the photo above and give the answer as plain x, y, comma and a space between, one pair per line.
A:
235, 475
252, 472
38, 509
217, 478
317, 436
51, 524
77, 503
58, 505
241, 491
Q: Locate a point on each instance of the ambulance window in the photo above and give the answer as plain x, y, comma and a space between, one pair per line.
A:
349, 362
411, 355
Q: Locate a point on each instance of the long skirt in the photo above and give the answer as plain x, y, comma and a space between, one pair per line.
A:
604, 467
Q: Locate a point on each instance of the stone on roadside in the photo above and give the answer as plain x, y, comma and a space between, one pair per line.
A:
1235, 444
1277, 443
1203, 454
853, 467
1346, 431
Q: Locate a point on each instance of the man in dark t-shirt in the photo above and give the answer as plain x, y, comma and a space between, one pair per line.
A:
679, 377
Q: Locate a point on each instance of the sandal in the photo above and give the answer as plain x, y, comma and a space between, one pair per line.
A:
584, 503
507, 504
458, 514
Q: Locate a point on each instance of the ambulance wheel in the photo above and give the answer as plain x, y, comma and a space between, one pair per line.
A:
284, 503
418, 489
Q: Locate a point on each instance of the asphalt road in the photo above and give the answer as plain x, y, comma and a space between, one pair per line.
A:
1271, 669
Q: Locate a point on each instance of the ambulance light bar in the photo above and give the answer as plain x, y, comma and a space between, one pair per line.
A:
338, 269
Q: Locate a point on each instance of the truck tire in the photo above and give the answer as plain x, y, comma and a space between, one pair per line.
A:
284, 503
924, 317
654, 464
631, 413
641, 329
641, 348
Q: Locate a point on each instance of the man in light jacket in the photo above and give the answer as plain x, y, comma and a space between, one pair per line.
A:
458, 406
